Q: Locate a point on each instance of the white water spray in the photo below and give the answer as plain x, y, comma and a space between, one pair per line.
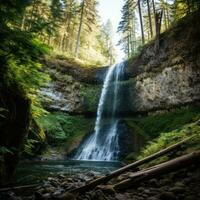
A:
103, 144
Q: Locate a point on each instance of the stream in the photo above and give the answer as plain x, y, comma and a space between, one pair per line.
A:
38, 172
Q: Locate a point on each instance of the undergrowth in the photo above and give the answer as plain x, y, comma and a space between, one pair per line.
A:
163, 130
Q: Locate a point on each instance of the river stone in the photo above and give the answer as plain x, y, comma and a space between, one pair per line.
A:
141, 189
191, 197
167, 196
153, 182
99, 195
120, 196
66, 196
177, 190
164, 182
152, 198
179, 184
49, 190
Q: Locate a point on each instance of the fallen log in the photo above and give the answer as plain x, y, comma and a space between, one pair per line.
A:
132, 166
166, 167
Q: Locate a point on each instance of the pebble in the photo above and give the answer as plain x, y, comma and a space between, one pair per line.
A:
167, 196
172, 187
107, 189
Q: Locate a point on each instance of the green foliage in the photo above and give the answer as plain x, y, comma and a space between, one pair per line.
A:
185, 7
60, 127
29, 146
4, 150
2, 111
153, 125
163, 130
91, 96
169, 138
20, 54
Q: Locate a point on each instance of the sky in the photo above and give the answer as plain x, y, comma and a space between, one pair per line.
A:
111, 9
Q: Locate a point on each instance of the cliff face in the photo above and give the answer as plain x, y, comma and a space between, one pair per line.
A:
72, 89
169, 76
176, 85
157, 79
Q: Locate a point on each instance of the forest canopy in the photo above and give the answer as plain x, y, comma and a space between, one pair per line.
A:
143, 20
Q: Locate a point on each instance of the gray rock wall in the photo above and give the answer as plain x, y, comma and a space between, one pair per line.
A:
172, 86
156, 79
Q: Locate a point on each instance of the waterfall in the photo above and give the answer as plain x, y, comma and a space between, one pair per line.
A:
103, 144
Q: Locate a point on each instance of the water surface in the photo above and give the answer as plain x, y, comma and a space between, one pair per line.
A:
38, 172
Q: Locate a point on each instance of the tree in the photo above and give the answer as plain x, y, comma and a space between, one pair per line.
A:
141, 22
149, 16
88, 17
108, 34
127, 27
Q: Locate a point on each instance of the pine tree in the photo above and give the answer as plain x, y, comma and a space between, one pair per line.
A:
88, 17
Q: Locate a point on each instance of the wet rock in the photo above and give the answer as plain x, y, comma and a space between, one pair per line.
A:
153, 198
91, 174
46, 196
167, 196
120, 196
147, 191
179, 184
66, 196
141, 189
49, 190
164, 182
153, 182
180, 196
145, 195
9, 196
66, 184
99, 195
71, 180
191, 197
38, 195
177, 190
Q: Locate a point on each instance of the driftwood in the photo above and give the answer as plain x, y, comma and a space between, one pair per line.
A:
91, 185
18, 187
166, 167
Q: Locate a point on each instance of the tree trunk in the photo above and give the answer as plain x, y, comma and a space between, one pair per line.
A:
32, 14
129, 167
169, 166
149, 16
158, 28
167, 15
13, 130
165, 19
128, 42
141, 22
79, 31
23, 22
154, 14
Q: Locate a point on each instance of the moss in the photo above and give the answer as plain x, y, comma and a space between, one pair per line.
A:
169, 138
151, 126
162, 130
65, 130
91, 95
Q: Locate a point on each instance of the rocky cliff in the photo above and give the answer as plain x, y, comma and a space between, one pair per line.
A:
73, 89
159, 78
169, 76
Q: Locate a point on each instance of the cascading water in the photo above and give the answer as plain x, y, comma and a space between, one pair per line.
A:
103, 144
